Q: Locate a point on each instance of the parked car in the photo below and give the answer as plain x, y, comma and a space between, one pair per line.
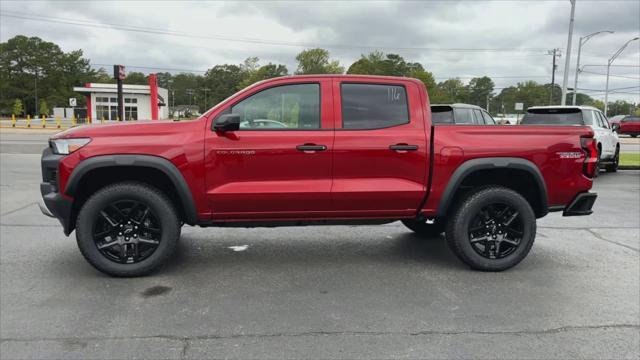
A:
357, 150
460, 114
607, 139
630, 125
614, 122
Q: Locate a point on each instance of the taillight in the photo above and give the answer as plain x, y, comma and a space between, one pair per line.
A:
590, 148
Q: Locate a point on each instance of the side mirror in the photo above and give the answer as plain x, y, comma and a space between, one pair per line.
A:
226, 122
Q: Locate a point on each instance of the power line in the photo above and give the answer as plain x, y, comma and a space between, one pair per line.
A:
157, 31
618, 76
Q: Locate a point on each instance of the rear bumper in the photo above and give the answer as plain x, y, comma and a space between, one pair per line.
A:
581, 205
55, 205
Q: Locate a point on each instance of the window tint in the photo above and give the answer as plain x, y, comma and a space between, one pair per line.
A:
463, 116
478, 117
552, 117
441, 114
369, 106
283, 107
605, 122
590, 118
488, 119
633, 119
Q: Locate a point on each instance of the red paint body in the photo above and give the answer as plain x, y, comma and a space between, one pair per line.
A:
629, 127
259, 175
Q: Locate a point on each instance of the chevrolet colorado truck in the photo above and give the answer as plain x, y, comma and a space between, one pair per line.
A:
314, 150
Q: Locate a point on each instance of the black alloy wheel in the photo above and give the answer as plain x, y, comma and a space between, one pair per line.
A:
127, 232
496, 231
128, 229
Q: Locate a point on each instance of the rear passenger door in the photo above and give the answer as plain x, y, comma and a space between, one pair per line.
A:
380, 157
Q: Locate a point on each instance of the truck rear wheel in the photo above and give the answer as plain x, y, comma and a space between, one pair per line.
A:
127, 229
423, 228
492, 229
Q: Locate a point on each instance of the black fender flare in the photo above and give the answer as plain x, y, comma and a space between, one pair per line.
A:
149, 161
470, 166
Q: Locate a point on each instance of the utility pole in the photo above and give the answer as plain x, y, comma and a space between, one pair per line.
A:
206, 99
553, 75
567, 60
35, 113
583, 40
606, 91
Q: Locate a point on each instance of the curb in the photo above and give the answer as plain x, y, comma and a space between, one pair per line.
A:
628, 167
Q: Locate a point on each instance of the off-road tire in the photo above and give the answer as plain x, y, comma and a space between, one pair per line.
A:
457, 229
423, 229
158, 203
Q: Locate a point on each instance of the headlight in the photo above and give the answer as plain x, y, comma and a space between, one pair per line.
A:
67, 146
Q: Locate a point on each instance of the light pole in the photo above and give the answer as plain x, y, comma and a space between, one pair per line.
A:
583, 40
567, 60
606, 89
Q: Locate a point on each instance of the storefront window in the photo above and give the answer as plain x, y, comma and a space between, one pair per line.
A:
131, 112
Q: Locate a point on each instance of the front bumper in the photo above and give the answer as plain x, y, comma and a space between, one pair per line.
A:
55, 205
581, 205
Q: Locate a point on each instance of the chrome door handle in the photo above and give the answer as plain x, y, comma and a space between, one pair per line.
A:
403, 147
311, 147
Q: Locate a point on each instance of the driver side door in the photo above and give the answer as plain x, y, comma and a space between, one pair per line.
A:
278, 164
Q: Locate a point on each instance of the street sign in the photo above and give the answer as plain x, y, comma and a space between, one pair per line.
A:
519, 106
73, 102
118, 72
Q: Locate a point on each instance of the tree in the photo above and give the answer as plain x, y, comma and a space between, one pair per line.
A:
480, 90
452, 91
17, 107
44, 109
316, 61
27, 63
252, 72
135, 78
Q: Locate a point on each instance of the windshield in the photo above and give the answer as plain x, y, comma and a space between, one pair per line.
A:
441, 115
552, 117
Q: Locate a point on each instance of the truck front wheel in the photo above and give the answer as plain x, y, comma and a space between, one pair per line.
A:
127, 229
492, 229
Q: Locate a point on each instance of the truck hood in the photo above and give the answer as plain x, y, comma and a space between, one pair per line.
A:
123, 129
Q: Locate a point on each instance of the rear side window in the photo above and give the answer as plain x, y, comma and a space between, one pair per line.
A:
633, 119
463, 116
589, 118
441, 115
552, 117
488, 119
478, 116
373, 106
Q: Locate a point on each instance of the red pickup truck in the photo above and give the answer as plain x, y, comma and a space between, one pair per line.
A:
314, 150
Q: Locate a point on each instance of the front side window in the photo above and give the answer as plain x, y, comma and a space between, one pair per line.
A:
463, 116
283, 107
373, 106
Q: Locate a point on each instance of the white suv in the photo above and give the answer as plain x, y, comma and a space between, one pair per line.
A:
608, 145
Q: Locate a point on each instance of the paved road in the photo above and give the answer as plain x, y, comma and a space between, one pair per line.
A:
323, 292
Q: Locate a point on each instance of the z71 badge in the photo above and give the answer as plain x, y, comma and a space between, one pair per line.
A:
235, 152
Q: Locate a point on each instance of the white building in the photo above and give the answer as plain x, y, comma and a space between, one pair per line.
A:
102, 102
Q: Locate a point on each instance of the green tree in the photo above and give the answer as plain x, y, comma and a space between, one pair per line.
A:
30, 63
135, 78
480, 90
452, 91
18, 109
316, 61
252, 72
43, 108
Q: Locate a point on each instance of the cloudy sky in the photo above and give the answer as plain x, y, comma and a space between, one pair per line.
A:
506, 40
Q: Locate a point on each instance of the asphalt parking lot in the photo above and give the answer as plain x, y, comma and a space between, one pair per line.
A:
321, 292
